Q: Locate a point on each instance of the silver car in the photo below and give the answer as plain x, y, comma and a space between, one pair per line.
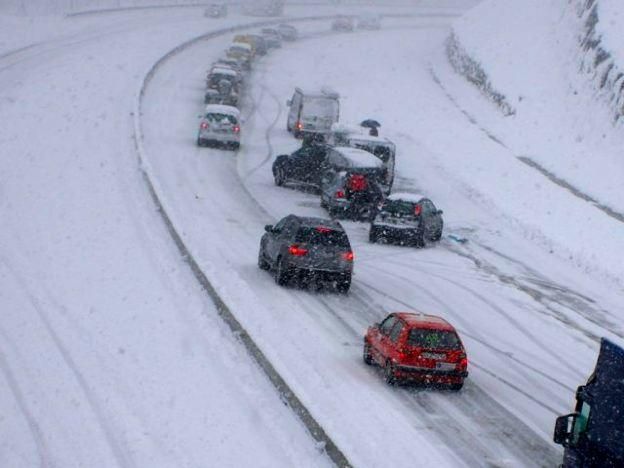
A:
220, 126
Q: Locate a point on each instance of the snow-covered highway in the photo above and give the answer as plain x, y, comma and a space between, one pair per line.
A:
111, 354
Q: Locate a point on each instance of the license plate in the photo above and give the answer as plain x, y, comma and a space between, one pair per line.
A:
433, 356
445, 366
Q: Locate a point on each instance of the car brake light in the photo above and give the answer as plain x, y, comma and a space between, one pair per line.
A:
299, 125
297, 251
357, 183
463, 362
323, 229
340, 194
204, 125
348, 256
236, 129
417, 210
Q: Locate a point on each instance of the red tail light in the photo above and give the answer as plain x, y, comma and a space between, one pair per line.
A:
357, 183
236, 129
340, 194
323, 229
297, 251
299, 125
463, 363
417, 209
204, 125
348, 256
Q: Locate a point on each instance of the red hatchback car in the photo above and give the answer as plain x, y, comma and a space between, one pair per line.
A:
419, 348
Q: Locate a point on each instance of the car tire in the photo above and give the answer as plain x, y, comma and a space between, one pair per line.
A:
372, 235
279, 177
235, 146
262, 263
344, 285
333, 212
456, 387
389, 373
437, 236
323, 204
419, 239
366, 354
282, 275
200, 142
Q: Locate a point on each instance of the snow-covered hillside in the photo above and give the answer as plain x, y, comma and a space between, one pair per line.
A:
532, 54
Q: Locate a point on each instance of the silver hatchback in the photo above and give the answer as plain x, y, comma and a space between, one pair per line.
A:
220, 126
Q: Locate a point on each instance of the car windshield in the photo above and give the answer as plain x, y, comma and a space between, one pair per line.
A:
433, 339
320, 107
322, 236
399, 208
221, 118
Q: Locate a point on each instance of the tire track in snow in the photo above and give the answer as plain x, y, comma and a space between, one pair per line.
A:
120, 454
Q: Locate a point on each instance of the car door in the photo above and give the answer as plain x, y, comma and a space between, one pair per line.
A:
299, 162
430, 218
379, 341
271, 246
392, 343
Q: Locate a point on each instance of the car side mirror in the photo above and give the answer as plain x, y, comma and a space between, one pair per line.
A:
563, 429
439, 212
268, 228
289, 103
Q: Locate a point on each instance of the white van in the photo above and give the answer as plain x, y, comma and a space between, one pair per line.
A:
313, 112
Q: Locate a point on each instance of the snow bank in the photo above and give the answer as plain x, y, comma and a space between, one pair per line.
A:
557, 64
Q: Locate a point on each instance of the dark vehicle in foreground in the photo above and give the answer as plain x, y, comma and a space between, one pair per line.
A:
303, 167
412, 347
407, 219
593, 436
303, 251
351, 184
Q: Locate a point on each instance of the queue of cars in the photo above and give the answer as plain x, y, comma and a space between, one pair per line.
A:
220, 122
352, 168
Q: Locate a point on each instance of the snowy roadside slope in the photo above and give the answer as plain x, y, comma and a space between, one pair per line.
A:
530, 52
110, 354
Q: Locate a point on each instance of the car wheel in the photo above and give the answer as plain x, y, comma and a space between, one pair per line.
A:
235, 146
419, 239
372, 235
323, 204
200, 142
344, 285
368, 358
389, 373
279, 177
333, 212
262, 263
282, 275
456, 387
437, 236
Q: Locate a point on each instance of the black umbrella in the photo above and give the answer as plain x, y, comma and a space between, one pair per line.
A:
370, 123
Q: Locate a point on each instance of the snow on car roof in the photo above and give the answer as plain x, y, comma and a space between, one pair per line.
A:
429, 321
406, 196
359, 157
223, 71
222, 109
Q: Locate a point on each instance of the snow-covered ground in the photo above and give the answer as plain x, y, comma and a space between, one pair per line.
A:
110, 354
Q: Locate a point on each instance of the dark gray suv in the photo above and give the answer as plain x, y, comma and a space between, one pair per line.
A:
303, 250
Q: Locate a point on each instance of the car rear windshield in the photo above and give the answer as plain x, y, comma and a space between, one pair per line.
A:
322, 236
221, 118
434, 339
320, 107
399, 208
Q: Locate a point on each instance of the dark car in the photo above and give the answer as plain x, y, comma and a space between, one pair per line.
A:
304, 167
351, 184
417, 348
304, 250
407, 218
